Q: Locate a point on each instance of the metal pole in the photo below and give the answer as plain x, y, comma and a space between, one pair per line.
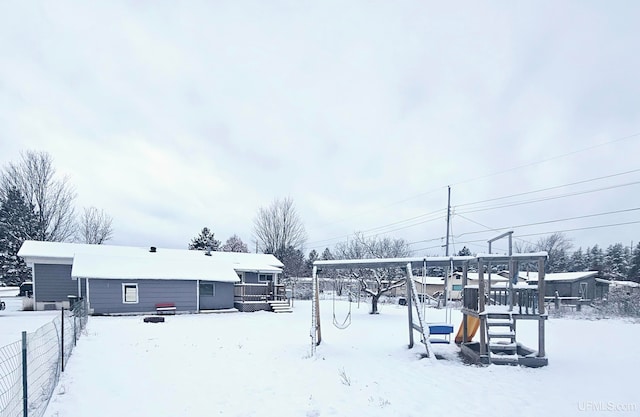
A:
62, 338
25, 401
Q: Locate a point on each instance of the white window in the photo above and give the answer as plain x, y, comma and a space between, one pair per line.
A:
265, 277
130, 293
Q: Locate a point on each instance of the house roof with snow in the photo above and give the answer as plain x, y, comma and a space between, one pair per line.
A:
562, 276
126, 262
617, 283
429, 280
474, 276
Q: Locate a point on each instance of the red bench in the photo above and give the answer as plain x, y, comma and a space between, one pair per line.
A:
166, 308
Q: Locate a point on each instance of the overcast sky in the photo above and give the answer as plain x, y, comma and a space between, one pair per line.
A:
172, 116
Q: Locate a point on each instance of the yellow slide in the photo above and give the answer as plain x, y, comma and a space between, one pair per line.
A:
473, 323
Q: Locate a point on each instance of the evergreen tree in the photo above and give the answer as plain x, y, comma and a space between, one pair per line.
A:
326, 255
313, 256
634, 265
596, 259
235, 244
464, 251
205, 241
293, 260
616, 261
18, 223
578, 261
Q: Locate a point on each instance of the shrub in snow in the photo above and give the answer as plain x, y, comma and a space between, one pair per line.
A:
622, 301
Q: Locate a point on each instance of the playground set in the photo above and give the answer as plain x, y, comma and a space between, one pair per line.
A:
490, 311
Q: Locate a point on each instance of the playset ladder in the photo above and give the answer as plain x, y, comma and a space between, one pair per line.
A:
414, 298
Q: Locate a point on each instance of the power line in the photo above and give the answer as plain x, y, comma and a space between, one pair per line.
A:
585, 216
637, 134
549, 188
519, 203
543, 233
634, 135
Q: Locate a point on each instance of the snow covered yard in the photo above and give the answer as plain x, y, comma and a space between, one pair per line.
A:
13, 321
258, 364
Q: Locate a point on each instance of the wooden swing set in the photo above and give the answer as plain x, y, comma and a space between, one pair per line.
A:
481, 309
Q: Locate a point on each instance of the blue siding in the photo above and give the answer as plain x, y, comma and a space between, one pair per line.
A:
250, 278
105, 295
53, 282
222, 298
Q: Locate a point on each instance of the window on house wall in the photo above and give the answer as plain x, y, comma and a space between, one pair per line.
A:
265, 277
130, 293
207, 289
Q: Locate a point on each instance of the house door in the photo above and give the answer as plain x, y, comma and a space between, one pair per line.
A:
584, 287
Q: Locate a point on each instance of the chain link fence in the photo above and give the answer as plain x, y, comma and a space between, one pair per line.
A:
30, 368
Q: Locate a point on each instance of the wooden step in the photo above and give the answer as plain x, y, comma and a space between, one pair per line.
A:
280, 306
497, 334
503, 348
499, 316
499, 322
504, 359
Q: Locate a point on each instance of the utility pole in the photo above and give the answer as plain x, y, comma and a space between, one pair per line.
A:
448, 218
447, 273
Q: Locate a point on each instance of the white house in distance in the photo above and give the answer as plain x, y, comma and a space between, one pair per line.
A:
124, 279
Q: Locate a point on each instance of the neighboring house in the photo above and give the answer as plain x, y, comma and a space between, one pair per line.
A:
121, 279
498, 279
568, 284
432, 286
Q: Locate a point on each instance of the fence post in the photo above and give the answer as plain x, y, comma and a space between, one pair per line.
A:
25, 397
75, 332
62, 338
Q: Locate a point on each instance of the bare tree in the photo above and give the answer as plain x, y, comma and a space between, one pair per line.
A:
51, 198
557, 246
234, 244
94, 227
279, 227
374, 282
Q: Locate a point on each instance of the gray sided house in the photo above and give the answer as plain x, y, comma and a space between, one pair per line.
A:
122, 280
569, 284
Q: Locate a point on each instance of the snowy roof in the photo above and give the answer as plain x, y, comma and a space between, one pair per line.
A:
429, 280
474, 276
631, 284
150, 266
61, 252
562, 276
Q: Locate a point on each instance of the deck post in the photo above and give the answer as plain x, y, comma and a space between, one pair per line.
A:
410, 308
316, 335
511, 299
465, 325
541, 311
482, 316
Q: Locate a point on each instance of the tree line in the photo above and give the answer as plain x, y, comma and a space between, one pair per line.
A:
36, 204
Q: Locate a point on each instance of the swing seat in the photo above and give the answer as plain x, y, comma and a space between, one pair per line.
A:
440, 328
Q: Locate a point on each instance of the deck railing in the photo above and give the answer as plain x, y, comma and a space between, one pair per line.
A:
259, 292
525, 300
